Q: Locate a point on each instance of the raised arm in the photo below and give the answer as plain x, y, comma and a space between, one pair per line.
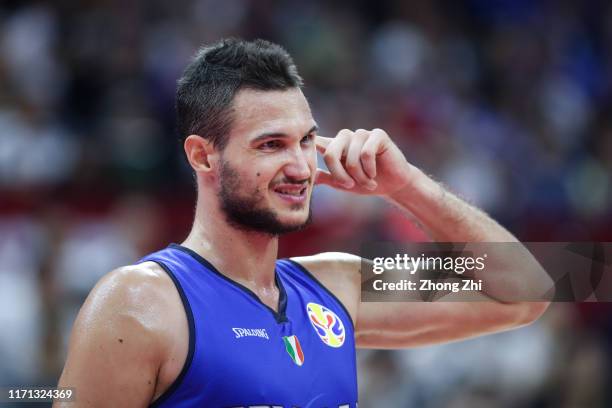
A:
120, 340
368, 162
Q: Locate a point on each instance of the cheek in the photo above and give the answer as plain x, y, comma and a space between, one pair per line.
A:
264, 173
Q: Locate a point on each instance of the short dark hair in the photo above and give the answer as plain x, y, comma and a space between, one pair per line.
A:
209, 83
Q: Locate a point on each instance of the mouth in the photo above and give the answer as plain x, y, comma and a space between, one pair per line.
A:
291, 193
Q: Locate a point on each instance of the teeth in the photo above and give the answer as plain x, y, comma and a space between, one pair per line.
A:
293, 193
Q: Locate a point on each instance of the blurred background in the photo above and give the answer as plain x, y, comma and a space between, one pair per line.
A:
507, 102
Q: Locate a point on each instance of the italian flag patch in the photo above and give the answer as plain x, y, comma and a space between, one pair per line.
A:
292, 344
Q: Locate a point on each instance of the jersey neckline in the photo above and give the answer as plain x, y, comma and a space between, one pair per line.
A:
280, 316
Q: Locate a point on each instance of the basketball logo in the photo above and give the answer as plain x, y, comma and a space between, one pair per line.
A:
327, 324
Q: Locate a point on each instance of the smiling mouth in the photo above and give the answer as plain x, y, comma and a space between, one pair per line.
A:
292, 193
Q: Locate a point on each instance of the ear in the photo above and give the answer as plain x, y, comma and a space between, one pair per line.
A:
200, 153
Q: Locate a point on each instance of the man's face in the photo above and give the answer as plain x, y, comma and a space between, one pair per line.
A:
269, 164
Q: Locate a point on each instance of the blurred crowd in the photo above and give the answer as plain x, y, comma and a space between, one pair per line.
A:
507, 102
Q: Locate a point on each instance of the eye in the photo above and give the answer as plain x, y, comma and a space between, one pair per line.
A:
270, 145
308, 138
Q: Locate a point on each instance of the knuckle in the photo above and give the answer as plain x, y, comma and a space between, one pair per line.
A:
380, 132
352, 166
362, 133
344, 133
366, 154
330, 155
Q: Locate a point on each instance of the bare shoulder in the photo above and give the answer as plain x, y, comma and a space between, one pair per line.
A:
339, 272
129, 333
135, 293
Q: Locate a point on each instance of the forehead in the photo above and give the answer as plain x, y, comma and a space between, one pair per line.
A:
256, 111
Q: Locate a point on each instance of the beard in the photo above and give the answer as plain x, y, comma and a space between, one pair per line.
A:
246, 212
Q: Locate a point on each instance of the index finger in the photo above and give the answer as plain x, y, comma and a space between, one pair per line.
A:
322, 143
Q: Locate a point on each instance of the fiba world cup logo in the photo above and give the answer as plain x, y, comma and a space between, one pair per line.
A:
327, 324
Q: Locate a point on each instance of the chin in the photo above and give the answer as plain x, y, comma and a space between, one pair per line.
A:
294, 221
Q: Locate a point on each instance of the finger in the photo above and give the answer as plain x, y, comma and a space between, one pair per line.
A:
370, 151
353, 160
333, 156
322, 142
324, 177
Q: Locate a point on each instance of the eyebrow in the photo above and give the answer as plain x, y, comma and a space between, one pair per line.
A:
268, 135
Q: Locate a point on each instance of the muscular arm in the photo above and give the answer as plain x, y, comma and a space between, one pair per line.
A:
511, 272
396, 325
120, 339
446, 217
366, 162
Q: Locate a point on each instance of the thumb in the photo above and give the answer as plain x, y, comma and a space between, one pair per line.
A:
324, 177
322, 142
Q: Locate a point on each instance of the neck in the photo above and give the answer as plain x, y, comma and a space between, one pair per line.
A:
245, 256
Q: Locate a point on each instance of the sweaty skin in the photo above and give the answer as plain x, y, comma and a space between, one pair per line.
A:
130, 339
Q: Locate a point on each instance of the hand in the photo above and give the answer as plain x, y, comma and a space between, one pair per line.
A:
363, 162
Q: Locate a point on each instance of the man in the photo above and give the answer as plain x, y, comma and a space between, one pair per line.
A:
218, 320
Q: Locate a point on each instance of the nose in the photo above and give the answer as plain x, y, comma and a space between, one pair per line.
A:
298, 166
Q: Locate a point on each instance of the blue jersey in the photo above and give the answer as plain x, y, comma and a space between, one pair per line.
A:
244, 354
